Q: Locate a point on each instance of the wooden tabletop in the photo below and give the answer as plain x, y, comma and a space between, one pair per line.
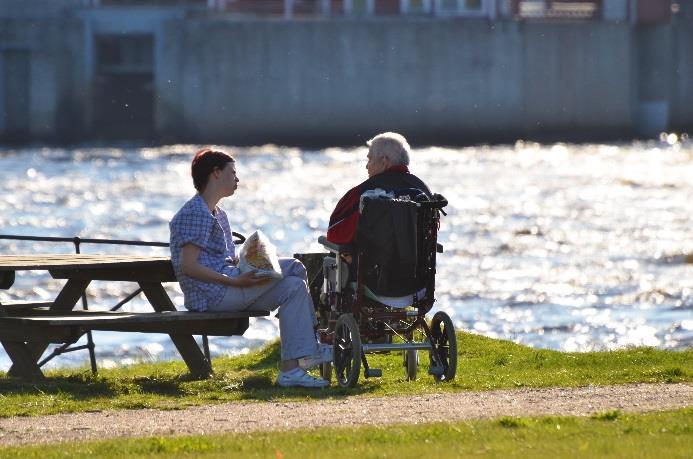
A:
68, 261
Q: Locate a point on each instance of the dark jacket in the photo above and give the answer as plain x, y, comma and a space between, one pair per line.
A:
345, 217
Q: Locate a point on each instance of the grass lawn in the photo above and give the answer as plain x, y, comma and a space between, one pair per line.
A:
483, 364
613, 434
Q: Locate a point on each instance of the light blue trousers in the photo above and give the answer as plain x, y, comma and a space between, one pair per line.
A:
290, 294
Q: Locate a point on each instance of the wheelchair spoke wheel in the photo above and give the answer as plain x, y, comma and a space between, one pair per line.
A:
444, 355
347, 351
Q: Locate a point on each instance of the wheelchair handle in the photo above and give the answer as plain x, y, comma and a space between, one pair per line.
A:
337, 248
438, 203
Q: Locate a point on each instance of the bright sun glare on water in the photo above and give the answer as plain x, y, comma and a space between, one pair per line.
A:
556, 246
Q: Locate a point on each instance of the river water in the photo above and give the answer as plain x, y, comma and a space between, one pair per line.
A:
570, 247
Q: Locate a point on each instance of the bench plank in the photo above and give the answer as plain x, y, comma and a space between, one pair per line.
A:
12, 307
18, 330
51, 326
163, 273
92, 316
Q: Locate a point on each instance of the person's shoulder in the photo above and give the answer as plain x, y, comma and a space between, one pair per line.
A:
415, 182
193, 208
351, 195
369, 183
424, 187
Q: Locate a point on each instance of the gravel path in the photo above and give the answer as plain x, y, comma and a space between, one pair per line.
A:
348, 411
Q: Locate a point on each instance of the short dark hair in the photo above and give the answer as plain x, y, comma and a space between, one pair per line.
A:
203, 164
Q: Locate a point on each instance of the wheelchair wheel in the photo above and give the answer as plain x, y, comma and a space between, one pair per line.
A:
444, 356
347, 351
411, 362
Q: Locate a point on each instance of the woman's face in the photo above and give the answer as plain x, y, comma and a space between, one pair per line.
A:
228, 179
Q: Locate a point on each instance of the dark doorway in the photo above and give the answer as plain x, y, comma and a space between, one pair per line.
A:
124, 87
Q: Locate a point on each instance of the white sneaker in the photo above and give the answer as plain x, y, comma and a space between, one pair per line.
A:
299, 378
322, 355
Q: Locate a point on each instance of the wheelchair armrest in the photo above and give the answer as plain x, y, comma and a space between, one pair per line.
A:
331, 246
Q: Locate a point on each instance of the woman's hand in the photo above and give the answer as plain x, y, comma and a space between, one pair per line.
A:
192, 268
247, 279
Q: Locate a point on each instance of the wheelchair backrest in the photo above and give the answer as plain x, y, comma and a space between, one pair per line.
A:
396, 240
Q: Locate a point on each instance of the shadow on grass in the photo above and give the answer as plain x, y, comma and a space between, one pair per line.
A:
257, 373
246, 377
78, 386
86, 386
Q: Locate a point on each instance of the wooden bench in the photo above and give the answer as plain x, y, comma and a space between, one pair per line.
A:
20, 327
59, 328
27, 328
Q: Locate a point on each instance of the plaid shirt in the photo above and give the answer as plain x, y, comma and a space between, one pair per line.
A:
195, 224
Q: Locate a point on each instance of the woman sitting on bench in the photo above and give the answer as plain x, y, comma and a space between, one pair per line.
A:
204, 261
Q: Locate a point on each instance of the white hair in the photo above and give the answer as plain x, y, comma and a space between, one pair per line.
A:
392, 146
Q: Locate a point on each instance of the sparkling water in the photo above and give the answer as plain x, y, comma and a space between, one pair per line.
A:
570, 247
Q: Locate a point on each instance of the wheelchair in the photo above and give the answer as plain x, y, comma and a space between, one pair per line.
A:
396, 248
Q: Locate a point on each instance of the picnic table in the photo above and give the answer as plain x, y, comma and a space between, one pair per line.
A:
26, 329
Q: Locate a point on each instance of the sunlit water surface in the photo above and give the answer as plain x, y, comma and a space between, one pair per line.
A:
565, 247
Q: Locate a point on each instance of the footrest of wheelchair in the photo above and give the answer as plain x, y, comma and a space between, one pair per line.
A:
436, 371
373, 373
325, 337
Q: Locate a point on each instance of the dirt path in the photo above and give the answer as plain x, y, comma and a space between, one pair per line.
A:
349, 411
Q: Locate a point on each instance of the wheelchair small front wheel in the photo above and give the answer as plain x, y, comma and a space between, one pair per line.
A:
347, 351
444, 353
411, 362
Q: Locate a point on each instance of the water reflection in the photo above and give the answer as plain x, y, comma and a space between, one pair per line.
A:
557, 246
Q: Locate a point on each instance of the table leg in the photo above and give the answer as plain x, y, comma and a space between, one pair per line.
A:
66, 300
23, 364
198, 365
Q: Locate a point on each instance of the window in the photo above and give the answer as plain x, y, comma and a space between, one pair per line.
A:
460, 7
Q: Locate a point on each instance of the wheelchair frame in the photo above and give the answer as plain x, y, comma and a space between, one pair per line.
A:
356, 325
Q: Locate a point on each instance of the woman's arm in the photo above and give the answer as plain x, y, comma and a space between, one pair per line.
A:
192, 268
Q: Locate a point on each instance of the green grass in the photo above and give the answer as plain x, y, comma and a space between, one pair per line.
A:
483, 364
658, 435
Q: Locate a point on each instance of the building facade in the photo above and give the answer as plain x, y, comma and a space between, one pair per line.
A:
212, 71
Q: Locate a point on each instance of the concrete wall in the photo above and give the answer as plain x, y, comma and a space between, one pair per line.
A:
324, 79
446, 81
37, 8
51, 88
577, 78
681, 96
219, 80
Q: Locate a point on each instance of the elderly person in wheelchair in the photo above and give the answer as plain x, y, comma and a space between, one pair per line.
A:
379, 280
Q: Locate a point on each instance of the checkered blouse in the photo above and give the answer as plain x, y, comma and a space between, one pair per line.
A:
195, 224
